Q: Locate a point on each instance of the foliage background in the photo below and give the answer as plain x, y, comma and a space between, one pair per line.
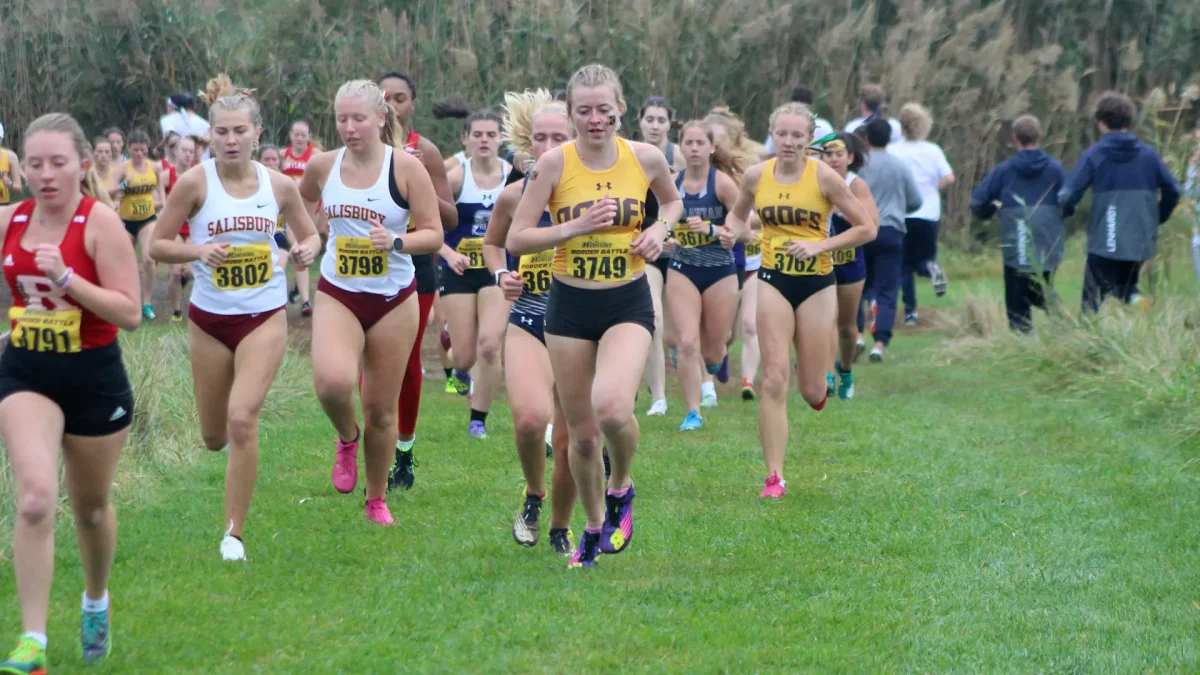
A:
975, 63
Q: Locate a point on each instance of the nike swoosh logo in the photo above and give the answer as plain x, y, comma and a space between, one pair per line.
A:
262, 206
389, 298
374, 199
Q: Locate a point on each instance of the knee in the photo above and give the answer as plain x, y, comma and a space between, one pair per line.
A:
775, 382
464, 356
243, 425
847, 326
612, 415
380, 417
332, 387
35, 507
91, 515
489, 350
586, 445
530, 423
749, 328
689, 346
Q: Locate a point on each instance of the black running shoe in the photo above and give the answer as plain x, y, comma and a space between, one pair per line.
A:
294, 295
525, 527
402, 475
607, 466
588, 551
560, 541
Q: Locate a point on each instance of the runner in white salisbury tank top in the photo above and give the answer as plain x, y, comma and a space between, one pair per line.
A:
366, 316
236, 334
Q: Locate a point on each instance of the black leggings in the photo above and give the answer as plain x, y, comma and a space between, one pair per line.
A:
1104, 277
1022, 292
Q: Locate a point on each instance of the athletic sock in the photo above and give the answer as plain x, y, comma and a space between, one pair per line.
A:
93, 606
39, 638
406, 446
618, 493
593, 530
820, 406
712, 370
479, 416
449, 372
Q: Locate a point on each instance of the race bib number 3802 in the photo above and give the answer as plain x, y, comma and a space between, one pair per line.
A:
46, 330
249, 266
600, 257
356, 257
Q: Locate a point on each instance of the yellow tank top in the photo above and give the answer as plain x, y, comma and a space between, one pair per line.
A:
5, 170
793, 212
603, 255
104, 176
137, 200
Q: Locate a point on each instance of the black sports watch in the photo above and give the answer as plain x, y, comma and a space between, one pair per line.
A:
397, 244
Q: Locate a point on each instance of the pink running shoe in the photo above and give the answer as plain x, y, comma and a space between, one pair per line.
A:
378, 513
345, 465
775, 487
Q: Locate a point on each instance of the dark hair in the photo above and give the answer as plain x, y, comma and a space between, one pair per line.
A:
162, 147
1027, 130
114, 130
561, 95
397, 75
455, 107
879, 132
657, 102
138, 136
480, 116
803, 94
268, 146
183, 100
856, 147
1115, 110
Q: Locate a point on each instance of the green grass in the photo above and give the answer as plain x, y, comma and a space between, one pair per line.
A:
949, 519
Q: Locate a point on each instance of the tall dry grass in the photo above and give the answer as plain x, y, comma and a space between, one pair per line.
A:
975, 63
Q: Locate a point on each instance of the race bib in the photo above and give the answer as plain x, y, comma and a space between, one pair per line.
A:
535, 271
782, 261
46, 330
357, 257
248, 266
600, 257
843, 257
143, 208
754, 248
472, 248
689, 239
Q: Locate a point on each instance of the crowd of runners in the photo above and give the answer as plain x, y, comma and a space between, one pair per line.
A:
553, 255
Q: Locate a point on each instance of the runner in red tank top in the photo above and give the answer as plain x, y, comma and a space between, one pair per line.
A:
401, 96
74, 281
293, 162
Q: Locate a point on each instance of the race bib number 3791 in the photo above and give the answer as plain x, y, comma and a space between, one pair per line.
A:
46, 330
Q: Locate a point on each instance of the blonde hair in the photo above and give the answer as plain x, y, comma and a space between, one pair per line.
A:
726, 157
221, 96
596, 75
735, 132
391, 133
520, 109
794, 108
63, 123
915, 121
201, 144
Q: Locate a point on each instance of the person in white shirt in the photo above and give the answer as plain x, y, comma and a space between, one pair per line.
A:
821, 126
870, 105
933, 174
181, 117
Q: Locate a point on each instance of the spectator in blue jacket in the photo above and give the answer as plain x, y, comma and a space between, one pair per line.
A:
1024, 190
1132, 194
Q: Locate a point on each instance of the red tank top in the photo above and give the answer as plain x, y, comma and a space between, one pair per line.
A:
294, 166
172, 175
413, 139
44, 318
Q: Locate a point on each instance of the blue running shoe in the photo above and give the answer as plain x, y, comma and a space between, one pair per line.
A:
830, 384
93, 636
589, 550
692, 422
845, 382
723, 373
461, 382
476, 430
618, 523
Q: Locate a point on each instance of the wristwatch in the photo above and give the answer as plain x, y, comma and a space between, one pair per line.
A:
397, 244
496, 275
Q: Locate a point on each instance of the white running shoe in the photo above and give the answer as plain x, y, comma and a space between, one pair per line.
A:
876, 355
708, 395
232, 549
659, 407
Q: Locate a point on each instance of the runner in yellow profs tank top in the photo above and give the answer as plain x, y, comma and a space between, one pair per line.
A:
137, 198
602, 256
793, 212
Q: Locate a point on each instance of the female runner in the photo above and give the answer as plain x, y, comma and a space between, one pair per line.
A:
272, 158
600, 316
102, 159
533, 124
401, 92
846, 154
703, 281
237, 334
749, 306
116, 139
73, 280
474, 306
792, 195
181, 275
292, 163
140, 184
366, 319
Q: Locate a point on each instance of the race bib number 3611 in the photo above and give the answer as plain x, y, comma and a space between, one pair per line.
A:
46, 330
600, 257
356, 257
472, 248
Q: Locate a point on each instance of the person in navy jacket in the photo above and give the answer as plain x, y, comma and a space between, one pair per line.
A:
1132, 193
1024, 189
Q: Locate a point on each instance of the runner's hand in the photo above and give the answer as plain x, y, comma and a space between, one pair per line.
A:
599, 215
511, 285
727, 236
669, 246
213, 255
302, 256
803, 250
457, 262
648, 246
695, 224
49, 261
381, 238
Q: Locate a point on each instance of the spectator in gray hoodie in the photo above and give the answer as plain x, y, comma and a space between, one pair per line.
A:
895, 192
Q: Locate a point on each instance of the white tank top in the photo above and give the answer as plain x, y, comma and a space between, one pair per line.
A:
250, 280
849, 180
351, 263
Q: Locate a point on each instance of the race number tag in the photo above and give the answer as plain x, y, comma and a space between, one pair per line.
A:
472, 248
248, 266
357, 257
755, 246
46, 330
844, 256
143, 207
535, 271
600, 257
689, 239
782, 261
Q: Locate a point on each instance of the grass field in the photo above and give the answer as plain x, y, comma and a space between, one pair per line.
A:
957, 516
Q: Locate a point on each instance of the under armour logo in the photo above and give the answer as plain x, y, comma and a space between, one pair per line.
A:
607, 186
785, 195
527, 321
766, 275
